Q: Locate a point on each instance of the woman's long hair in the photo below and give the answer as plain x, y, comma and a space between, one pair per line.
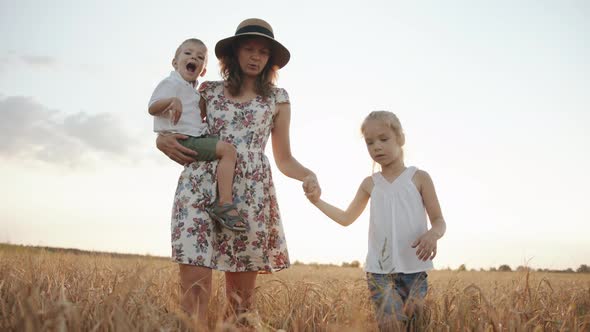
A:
233, 76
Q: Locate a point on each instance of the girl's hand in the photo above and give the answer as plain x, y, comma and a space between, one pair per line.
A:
174, 109
310, 183
311, 187
426, 245
314, 196
169, 145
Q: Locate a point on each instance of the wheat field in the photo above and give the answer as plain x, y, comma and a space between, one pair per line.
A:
43, 290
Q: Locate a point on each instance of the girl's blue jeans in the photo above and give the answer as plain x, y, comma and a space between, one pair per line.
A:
389, 292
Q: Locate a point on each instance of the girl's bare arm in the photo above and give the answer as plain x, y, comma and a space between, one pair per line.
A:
354, 210
431, 204
427, 243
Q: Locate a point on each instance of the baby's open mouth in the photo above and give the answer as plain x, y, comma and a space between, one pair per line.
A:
191, 67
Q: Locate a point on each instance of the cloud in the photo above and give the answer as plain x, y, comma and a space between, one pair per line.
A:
33, 131
11, 60
39, 60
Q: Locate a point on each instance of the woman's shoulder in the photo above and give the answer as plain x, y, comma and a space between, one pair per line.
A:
210, 85
275, 89
280, 95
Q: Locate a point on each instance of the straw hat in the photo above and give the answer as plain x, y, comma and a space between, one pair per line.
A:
255, 27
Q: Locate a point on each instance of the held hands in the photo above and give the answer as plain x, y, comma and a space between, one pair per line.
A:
426, 245
174, 110
312, 189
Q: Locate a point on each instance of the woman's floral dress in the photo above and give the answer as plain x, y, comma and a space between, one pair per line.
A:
198, 240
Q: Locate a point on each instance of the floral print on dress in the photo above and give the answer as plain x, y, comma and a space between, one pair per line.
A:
196, 239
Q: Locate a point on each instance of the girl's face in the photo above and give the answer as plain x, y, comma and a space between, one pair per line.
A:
382, 142
191, 61
253, 55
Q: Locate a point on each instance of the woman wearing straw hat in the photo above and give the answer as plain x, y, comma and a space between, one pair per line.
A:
244, 110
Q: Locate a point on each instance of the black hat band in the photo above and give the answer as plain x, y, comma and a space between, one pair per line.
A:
255, 28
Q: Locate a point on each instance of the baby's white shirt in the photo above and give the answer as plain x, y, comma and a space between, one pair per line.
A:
190, 121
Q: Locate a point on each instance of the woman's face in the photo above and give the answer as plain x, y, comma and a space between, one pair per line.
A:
253, 55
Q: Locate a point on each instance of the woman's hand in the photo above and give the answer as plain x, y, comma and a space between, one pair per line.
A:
311, 187
169, 145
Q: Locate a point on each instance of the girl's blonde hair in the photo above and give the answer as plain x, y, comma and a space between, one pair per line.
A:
390, 120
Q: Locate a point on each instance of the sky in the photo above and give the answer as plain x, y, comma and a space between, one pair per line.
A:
494, 98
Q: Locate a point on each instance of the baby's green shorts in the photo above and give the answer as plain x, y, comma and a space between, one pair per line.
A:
204, 145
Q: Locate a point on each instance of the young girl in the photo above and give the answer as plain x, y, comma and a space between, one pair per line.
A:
401, 247
244, 110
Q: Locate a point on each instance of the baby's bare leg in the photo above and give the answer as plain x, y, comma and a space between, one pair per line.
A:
225, 171
225, 174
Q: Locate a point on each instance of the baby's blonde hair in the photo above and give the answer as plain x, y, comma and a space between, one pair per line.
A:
190, 40
390, 120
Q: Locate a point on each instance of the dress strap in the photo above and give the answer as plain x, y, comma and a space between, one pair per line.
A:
408, 174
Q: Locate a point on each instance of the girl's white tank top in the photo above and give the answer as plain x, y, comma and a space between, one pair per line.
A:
397, 219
